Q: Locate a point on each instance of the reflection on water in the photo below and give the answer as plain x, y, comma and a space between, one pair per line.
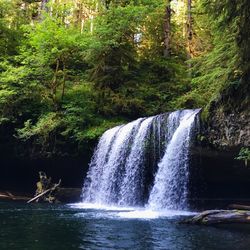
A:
42, 227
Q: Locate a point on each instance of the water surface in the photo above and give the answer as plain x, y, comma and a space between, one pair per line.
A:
44, 227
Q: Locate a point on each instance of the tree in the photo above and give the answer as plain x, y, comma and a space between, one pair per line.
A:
167, 29
71, 69
189, 28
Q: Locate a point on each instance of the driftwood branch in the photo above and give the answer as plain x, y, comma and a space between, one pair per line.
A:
45, 192
238, 206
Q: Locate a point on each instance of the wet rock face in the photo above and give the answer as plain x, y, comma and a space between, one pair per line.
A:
228, 123
229, 129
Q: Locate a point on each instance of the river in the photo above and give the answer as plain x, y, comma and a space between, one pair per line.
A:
79, 226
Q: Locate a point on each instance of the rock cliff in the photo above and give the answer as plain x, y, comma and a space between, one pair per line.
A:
228, 123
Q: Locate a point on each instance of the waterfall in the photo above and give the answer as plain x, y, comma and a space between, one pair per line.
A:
170, 188
132, 183
147, 151
107, 165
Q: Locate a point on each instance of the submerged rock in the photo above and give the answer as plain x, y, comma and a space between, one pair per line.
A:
214, 217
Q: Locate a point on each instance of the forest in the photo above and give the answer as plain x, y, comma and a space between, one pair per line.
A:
71, 69
124, 124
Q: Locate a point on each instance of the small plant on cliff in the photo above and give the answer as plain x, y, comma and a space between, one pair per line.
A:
244, 155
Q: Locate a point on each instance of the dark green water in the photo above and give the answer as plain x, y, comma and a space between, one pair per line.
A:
43, 227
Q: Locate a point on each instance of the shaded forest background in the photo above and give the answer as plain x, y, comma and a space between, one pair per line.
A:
69, 70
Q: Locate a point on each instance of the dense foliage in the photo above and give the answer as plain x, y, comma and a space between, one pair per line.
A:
221, 70
244, 155
71, 69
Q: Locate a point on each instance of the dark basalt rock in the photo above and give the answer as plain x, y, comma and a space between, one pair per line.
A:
228, 122
227, 130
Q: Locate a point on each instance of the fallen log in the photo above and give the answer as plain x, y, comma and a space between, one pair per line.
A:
45, 192
238, 206
63, 195
9, 196
214, 217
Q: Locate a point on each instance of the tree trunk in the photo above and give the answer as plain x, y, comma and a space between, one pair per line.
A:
189, 34
54, 85
64, 80
43, 5
167, 29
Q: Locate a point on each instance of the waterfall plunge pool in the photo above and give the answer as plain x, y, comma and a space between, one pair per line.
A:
120, 212
82, 226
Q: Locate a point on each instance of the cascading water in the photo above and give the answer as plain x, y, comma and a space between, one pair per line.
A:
132, 183
103, 179
127, 157
170, 188
96, 170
